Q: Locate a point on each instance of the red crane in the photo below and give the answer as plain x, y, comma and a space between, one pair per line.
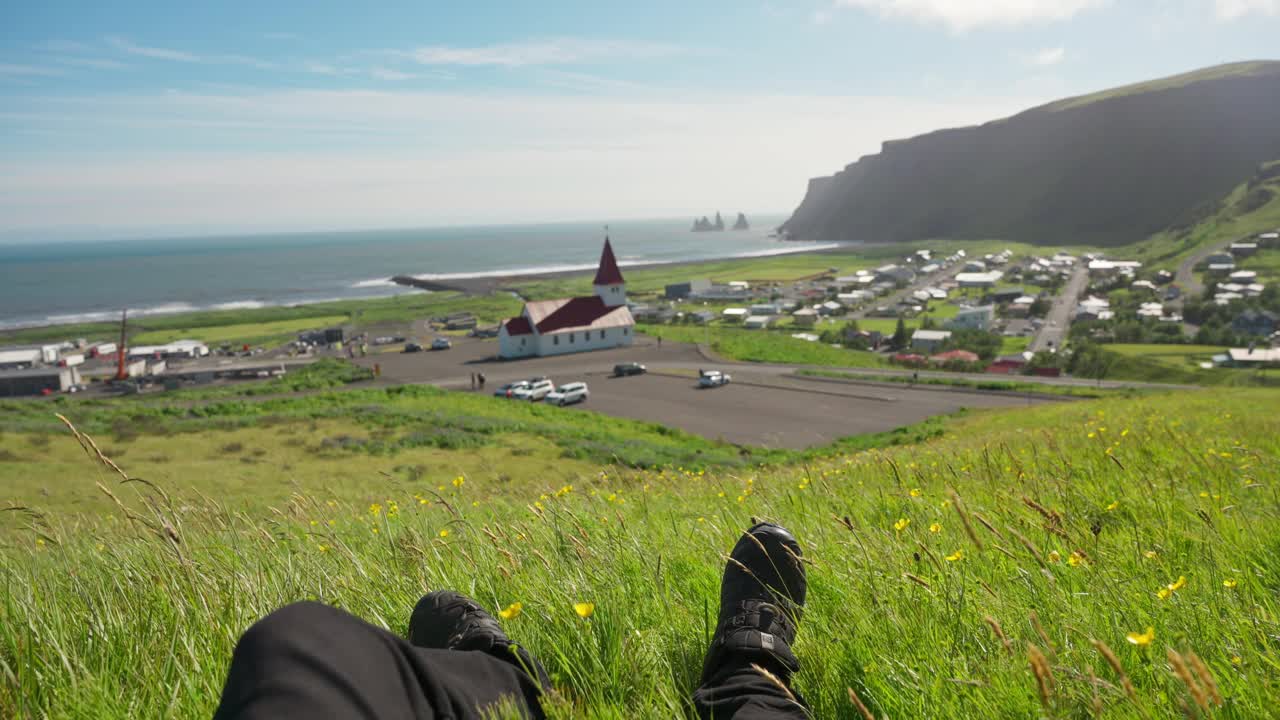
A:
121, 373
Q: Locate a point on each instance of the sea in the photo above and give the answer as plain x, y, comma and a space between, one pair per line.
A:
69, 282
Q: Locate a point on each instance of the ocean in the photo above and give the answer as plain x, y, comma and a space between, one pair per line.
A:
69, 282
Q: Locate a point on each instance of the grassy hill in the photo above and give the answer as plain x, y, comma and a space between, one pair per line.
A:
1105, 169
935, 566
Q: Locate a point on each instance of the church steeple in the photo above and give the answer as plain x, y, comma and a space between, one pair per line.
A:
609, 285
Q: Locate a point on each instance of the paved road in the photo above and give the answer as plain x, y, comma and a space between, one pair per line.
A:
894, 298
1059, 318
1186, 276
767, 404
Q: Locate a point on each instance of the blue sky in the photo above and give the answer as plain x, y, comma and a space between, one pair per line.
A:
146, 117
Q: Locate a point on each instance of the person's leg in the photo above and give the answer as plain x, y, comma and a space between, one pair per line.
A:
309, 660
748, 668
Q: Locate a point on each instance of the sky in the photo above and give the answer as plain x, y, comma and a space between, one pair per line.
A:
141, 118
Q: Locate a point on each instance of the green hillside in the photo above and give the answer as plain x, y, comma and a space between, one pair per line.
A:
1142, 525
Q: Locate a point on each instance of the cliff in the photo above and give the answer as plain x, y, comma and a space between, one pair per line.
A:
1103, 169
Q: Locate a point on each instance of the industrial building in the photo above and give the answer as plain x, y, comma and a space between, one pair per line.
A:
38, 381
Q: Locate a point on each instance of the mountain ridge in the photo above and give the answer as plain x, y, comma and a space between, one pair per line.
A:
1106, 168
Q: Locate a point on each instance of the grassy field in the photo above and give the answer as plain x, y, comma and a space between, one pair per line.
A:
1180, 364
770, 346
1013, 384
398, 310
1144, 525
252, 333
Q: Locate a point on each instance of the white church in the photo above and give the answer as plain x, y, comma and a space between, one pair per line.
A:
556, 327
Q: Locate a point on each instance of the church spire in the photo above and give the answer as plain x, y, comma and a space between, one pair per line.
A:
608, 272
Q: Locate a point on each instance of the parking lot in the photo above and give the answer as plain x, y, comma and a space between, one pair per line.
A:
764, 405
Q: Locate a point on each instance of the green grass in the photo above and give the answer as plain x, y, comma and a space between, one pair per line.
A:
767, 346
1011, 385
1178, 364
397, 310
103, 618
252, 333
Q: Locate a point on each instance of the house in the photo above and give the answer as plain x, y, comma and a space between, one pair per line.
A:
805, 317
975, 266
1269, 239
896, 274
38, 381
1243, 276
1005, 295
1093, 308
1164, 277
973, 318
1243, 249
1150, 310
979, 279
763, 309
1143, 285
684, 290
1020, 308
1255, 322
757, 322
936, 293
929, 340
1245, 357
1221, 263
955, 356
734, 314
579, 324
702, 317
830, 308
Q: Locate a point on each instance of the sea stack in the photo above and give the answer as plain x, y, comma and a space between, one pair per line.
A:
741, 223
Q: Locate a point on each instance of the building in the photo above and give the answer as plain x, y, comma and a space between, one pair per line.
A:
1255, 322
979, 279
805, 317
757, 322
1243, 277
680, 291
1247, 357
929, 340
973, 318
568, 325
175, 349
1243, 249
951, 356
38, 381
734, 314
1005, 295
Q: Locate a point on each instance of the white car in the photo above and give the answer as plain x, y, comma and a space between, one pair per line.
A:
574, 392
712, 378
535, 391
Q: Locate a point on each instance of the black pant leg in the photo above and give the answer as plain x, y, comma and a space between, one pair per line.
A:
740, 692
309, 660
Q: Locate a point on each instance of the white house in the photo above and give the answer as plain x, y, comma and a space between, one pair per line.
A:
973, 318
979, 279
757, 322
929, 340
557, 327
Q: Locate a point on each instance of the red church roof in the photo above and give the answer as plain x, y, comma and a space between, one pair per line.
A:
608, 274
518, 325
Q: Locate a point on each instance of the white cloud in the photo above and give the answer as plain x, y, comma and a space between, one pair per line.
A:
1048, 56
561, 51
11, 70
157, 53
1234, 9
965, 15
365, 158
382, 73
92, 63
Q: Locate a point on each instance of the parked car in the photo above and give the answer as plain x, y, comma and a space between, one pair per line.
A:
510, 389
534, 391
574, 392
631, 368
412, 347
441, 343
712, 378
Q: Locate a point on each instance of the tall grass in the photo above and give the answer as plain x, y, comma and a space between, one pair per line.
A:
934, 568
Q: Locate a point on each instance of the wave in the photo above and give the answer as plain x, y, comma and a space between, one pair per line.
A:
239, 305
376, 282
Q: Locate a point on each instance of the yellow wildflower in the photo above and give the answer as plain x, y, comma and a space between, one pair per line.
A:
444, 533
322, 548
375, 509
1075, 559
475, 503
584, 609
915, 492
457, 482
1178, 584
957, 555
1144, 638
1150, 554
1229, 583
935, 527
901, 524
1113, 506
511, 611
1164, 593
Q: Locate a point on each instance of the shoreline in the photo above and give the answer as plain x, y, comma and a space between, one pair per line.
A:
472, 286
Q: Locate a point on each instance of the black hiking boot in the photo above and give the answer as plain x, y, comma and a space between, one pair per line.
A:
761, 600
449, 620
